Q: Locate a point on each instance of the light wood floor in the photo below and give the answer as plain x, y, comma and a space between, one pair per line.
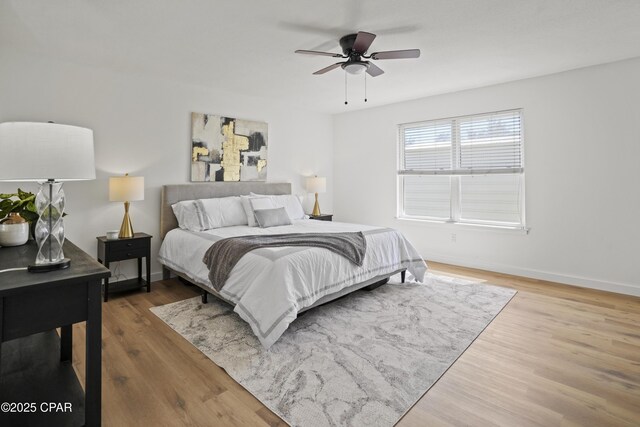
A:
556, 355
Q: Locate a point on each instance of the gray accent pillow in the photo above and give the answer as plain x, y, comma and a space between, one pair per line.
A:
272, 217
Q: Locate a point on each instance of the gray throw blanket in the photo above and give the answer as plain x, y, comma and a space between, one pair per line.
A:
223, 255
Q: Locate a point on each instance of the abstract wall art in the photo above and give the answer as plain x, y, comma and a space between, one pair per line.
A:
227, 149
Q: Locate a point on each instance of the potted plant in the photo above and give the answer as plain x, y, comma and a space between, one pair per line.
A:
22, 203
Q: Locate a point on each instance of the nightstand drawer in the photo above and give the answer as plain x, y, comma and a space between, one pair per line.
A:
128, 244
119, 255
322, 217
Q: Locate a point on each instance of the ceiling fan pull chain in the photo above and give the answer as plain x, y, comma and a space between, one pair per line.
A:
345, 89
365, 87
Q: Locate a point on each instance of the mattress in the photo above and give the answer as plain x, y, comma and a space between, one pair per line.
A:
269, 286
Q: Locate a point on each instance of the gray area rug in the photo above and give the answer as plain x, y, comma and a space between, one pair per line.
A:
363, 360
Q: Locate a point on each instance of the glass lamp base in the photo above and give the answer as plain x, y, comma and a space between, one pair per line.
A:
49, 266
49, 230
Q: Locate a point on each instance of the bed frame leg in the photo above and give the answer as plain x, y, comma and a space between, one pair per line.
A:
205, 294
376, 285
402, 275
166, 273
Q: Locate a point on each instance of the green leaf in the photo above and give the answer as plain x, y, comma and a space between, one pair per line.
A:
23, 194
22, 202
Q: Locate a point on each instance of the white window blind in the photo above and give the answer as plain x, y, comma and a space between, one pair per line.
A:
428, 147
491, 141
466, 169
427, 196
491, 198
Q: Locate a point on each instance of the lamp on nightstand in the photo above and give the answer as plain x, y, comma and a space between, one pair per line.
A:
126, 189
316, 184
48, 153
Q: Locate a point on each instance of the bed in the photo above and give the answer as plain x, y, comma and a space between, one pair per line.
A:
270, 287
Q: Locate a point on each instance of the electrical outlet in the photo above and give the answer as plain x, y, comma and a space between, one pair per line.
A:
453, 237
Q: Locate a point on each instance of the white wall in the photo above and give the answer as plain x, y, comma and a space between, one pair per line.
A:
142, 126
582, 148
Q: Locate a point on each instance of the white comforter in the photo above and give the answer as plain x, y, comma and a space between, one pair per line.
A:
270, 286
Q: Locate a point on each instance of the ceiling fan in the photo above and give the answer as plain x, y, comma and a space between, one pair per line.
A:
354, 49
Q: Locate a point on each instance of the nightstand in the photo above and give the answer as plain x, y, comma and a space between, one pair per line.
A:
137, 247
322, 217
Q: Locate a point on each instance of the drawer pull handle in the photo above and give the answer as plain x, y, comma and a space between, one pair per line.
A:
129, 244
129, 254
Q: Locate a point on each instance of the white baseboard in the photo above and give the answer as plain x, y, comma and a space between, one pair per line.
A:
620, 288
156, 276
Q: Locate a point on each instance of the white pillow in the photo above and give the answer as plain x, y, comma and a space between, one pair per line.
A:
205, 214
249, 203
186, 215
221, 212
291, 203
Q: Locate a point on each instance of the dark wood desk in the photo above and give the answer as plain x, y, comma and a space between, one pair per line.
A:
37, 302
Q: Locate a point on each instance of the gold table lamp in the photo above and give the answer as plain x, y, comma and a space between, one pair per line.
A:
316, 184
126, 189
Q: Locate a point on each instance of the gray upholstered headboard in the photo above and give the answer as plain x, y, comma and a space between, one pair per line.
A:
176, 193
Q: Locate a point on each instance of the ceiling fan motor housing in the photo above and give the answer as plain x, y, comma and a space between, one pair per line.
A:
346, 43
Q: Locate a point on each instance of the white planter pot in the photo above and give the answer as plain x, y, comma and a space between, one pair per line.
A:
14, 234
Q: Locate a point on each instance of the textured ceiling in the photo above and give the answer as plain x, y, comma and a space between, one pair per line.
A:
247, 46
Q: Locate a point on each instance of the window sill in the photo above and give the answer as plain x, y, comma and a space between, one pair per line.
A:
471, 226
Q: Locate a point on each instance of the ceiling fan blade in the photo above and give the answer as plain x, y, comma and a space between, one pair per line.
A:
396, 54
329, 68
363, 41
373, 70
315, 52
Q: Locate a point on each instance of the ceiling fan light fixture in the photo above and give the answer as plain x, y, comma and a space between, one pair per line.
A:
355, 67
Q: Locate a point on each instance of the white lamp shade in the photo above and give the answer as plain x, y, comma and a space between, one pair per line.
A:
316, 184
42, 151
126, 188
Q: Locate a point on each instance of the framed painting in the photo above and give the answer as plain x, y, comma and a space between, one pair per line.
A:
228, 149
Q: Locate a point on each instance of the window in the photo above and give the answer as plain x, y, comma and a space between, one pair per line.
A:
463, 170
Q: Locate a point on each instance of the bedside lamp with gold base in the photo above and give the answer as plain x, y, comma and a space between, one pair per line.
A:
316, 184
126, 189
